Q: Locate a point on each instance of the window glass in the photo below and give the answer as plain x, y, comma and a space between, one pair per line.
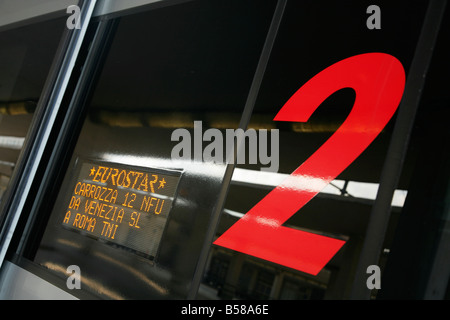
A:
136, 208
171, 74
293, 243
26, 54
422, 232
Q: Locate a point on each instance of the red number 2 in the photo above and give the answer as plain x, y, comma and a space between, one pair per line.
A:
378, 80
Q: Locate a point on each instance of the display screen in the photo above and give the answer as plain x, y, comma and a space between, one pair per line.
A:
124, 205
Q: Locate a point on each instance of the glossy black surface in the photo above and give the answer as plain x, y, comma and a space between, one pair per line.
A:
166, 68
171, 66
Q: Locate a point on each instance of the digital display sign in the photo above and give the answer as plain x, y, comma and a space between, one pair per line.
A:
123, 205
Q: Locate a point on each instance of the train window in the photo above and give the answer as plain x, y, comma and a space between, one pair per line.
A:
305, 220
240, 149
141, 187
26, 54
